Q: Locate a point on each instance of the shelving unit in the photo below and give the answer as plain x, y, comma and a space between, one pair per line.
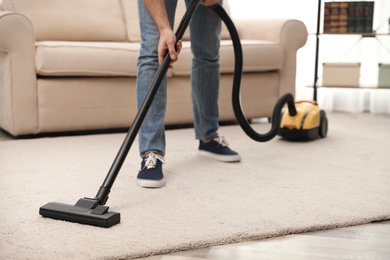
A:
318, 34
351, 87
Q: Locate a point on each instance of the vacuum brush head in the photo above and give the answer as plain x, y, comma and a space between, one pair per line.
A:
86, 211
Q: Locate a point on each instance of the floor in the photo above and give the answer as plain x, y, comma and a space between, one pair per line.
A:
369, 241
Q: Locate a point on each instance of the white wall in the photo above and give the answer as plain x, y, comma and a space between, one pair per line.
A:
368, 51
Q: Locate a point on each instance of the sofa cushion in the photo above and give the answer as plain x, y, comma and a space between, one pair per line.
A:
258, 56
58, 58
73, 20
130, 10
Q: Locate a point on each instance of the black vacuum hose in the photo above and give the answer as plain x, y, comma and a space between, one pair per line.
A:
236, 94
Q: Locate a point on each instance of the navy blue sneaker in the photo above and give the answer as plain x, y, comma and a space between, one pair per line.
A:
151, 175
219, 150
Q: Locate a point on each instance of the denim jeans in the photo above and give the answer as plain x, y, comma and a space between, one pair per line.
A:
205, 31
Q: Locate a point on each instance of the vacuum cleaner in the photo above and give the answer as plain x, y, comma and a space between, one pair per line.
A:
309, 123
93, 211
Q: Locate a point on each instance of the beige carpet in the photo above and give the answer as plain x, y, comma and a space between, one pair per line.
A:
280, 187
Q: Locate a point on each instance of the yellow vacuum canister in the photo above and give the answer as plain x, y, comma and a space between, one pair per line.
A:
310, 122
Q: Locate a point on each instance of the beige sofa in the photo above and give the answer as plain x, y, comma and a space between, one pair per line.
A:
71, 65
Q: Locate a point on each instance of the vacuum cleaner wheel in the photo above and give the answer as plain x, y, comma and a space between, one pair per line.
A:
323, 124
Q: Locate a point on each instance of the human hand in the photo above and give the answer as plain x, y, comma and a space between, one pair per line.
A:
210, 2
167, 44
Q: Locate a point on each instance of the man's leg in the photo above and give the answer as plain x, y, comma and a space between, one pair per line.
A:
205, 30
205, 35
151, 134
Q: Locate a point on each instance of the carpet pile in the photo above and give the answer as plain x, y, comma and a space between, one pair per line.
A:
278, 188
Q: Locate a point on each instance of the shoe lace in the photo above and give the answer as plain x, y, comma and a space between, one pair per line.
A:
221, 140
151, 161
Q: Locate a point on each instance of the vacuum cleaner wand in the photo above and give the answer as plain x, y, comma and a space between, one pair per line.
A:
92, 210
102, 195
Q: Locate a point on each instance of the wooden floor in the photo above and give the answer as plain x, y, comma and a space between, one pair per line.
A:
369, 241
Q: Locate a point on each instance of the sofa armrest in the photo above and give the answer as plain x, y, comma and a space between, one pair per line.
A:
18, 81
291, 33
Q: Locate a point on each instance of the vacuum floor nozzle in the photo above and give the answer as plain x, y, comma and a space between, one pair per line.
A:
86, 211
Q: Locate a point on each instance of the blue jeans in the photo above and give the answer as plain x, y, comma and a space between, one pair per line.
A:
205, 31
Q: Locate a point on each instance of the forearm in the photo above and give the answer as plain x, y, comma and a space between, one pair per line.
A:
157, 11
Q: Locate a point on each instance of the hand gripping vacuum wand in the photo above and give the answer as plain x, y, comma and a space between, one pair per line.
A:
92, 211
